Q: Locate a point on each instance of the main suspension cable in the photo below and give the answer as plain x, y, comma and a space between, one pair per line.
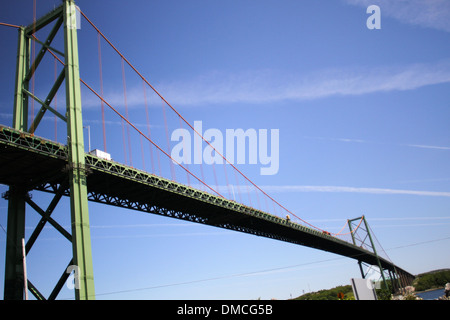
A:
139, 131
177, 113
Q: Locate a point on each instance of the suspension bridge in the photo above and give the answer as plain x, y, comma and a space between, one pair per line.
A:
31, 162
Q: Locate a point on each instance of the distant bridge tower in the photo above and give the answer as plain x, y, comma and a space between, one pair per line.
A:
17, 196
361, 236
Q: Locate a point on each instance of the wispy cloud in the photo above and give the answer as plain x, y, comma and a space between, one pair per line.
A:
272, 189
385, 219
5, 115
339, 139
163, 235
425, 13
390, 222
269, 86
427, 147
299, 188
350, 140
266, 86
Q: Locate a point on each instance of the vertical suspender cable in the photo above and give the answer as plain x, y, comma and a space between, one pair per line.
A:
172, 169
199, 134
33, 66
184, 156
257, 199
126, 110
237, 185
215, 175
139, 131
101, 90
124, 142
195, 131
226, 180
142, 152
148, 126
55, 99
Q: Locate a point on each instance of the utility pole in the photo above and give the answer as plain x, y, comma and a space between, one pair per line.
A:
25, 279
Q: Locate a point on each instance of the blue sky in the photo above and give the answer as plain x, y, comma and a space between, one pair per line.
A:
362, 117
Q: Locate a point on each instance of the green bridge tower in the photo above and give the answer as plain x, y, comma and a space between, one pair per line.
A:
63, 16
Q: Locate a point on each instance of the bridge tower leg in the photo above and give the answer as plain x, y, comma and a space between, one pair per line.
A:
81, 239
14, 277
64, 15
14, 283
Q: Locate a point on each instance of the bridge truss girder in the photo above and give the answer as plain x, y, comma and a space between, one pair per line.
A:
119, 185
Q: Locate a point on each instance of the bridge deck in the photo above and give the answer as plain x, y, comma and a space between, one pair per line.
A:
39, 164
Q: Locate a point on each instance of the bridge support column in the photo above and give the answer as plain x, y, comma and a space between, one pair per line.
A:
81, 240
394, 282
14, 283
363, 275
20, 114
14, 276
